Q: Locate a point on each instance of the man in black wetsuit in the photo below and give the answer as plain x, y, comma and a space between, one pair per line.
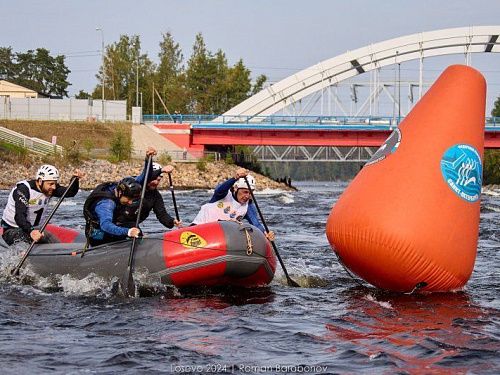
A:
26, 207
153, 200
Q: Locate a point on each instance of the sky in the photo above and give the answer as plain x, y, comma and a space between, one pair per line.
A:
273, 37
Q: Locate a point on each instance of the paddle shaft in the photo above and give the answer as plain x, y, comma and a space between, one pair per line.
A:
15, 271
173, 197
129, 285
288, 278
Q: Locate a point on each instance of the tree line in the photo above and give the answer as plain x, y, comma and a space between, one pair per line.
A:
206, 83
36, 70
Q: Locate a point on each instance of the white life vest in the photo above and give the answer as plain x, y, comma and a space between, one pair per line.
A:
37, 202
227, 208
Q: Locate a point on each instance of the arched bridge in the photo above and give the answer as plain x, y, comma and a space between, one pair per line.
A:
259, 121
287, 92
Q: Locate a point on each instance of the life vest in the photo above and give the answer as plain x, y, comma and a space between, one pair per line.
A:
124, 216
227, 208
36, 204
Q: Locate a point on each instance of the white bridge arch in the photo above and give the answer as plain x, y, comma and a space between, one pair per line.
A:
464, 40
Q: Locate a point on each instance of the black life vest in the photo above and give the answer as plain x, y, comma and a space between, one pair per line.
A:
123, 216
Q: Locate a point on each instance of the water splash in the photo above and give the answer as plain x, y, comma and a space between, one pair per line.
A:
286, 198
385, 305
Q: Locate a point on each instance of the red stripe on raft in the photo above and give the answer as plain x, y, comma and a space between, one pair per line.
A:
271, 258
207, 276
195, 244
65, 235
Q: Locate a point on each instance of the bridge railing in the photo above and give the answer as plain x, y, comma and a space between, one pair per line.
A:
179, 118
309, 120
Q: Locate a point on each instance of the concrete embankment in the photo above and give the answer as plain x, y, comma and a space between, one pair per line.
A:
185, 175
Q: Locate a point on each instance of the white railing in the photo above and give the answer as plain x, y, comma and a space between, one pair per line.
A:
33, 144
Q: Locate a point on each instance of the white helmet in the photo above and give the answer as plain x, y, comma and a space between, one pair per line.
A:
47, 172
241, 183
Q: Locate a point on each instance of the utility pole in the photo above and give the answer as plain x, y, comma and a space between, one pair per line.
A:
103, 72
137, 76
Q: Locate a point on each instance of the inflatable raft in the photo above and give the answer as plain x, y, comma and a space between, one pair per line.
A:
213, 254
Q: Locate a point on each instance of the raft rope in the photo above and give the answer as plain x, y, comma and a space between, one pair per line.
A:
85, 248
83, 251
249, 242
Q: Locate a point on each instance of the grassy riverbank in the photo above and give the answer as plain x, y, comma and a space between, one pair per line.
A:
85, 135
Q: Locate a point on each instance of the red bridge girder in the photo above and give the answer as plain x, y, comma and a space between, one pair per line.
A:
351, 138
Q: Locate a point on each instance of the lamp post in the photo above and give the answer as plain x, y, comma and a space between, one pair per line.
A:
137, 76
103, 71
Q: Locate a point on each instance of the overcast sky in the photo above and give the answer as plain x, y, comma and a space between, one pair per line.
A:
273, 37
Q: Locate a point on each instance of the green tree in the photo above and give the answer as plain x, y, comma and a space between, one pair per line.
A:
82, 95
120, 147
169, 78
7, 64
215, 87
216, 97
122, 62
41, 72
491, 172
238, 83
496, 108
259, 84
199, 76
206, 85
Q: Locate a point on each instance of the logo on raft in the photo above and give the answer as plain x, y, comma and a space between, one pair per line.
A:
462, 171
192, 240
389, 147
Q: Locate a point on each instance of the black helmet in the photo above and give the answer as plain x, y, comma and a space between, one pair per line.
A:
130, 188
157, 171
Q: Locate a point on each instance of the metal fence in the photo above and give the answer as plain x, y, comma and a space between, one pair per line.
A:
62, 109
33, 144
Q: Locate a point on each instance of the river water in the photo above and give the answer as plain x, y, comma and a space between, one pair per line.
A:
330, 325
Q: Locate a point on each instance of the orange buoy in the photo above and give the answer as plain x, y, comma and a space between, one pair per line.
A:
410, 218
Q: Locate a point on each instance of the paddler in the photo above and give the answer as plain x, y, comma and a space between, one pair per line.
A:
232, 201
26, 206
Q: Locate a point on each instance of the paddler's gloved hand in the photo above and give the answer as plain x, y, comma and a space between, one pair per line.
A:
134, 232
150, 151
78, 174
167, 169
270, 235
36, 235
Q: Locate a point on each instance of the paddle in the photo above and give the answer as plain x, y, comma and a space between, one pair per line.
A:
129, 285
173, 196
15, 271
288, 278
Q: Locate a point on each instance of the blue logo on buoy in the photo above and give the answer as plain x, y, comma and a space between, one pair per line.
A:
463, 172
